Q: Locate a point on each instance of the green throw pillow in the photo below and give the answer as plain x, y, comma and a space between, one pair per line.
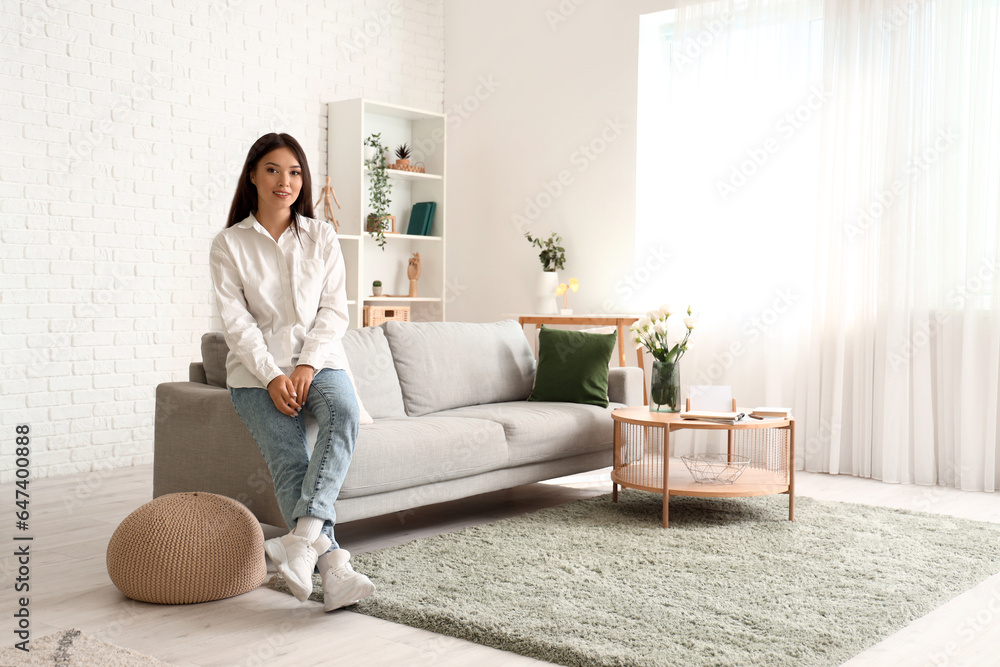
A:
573, 366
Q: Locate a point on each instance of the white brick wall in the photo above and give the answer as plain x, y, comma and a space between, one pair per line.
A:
123, 125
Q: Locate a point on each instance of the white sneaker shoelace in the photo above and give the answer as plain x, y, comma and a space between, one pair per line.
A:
342, 586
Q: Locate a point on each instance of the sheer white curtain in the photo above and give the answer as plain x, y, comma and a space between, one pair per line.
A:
729, 129
826, 177
904, 355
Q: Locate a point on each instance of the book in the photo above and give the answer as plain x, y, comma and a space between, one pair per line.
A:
421, 218
782, 413
713, 416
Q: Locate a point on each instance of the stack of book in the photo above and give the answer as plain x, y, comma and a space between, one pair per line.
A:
713, 416
771, 413
421, 218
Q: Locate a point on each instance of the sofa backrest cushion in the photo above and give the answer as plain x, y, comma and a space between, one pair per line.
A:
368, 355
443, 365
214, 351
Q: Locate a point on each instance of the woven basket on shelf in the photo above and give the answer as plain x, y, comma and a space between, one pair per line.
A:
183, 548
376, 315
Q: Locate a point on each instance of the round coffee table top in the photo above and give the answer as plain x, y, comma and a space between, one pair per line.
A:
643, 416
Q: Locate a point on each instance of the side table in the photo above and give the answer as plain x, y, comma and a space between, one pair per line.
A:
642, 457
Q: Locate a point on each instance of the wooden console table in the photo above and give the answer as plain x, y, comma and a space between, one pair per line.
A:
642, 457
619, 321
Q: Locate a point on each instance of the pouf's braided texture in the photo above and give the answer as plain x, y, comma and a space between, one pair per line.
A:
183, 548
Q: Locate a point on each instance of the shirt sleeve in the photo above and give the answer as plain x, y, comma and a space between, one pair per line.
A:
244, 337
321, 341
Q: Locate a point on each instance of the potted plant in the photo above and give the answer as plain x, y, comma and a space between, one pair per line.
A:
379, 189
650, 332
377, 288
553, 255
402, 156
553, 258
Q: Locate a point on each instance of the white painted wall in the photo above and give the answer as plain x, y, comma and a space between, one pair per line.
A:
123, 126
542, 104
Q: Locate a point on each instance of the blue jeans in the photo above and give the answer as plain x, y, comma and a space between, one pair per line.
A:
305, 485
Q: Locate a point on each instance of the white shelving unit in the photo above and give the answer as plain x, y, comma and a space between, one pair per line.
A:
350, 122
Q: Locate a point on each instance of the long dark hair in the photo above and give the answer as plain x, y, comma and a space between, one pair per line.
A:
245, 199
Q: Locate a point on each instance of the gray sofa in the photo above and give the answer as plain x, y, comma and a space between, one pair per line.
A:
450, 421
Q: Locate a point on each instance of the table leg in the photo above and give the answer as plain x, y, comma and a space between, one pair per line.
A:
791, 470
617, 459
666, 476
621, 343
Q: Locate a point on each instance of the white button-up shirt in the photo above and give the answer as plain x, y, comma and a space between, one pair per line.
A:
282, 303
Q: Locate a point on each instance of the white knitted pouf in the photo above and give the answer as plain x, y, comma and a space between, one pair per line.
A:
183, 548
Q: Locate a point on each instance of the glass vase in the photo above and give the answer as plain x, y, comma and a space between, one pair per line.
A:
665, 387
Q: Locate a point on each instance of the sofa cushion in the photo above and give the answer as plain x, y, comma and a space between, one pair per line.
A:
573, 366
545, 431
444, 365
214, 351
404, 452
367, 352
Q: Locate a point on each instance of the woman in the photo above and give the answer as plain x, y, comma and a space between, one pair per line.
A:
280, 281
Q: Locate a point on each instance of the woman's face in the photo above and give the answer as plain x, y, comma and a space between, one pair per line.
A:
278, 178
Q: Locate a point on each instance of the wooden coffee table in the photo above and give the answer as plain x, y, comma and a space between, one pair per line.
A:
642, 461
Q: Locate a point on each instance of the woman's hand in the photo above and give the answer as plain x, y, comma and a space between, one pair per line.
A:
289, 393
284, 396
302, 378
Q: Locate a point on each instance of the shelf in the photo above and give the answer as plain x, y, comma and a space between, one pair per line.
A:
401, 175
411, 237
350, 122
414, 299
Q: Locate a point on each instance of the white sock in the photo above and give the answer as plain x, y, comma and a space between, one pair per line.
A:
308, 527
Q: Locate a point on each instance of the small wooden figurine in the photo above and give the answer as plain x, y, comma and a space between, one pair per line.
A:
413, 273
324, 196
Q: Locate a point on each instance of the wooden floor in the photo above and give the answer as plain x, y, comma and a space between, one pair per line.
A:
74, 516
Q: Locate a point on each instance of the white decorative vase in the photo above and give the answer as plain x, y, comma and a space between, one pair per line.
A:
545, 293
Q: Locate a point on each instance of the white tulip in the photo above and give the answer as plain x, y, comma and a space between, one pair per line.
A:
667, 309
690, 321
660, 327
644, 324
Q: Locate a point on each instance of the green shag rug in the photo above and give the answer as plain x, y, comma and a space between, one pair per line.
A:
731, 582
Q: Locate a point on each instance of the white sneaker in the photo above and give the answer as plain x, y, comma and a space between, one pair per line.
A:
342, 586
295, 559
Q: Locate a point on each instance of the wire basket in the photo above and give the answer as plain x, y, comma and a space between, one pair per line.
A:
716, 468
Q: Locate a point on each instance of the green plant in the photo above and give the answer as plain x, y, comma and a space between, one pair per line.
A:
553, 255
379, 188
403, 152
377, 283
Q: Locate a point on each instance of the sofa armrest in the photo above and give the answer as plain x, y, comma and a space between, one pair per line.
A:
625, 385
201, 444
196, 373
